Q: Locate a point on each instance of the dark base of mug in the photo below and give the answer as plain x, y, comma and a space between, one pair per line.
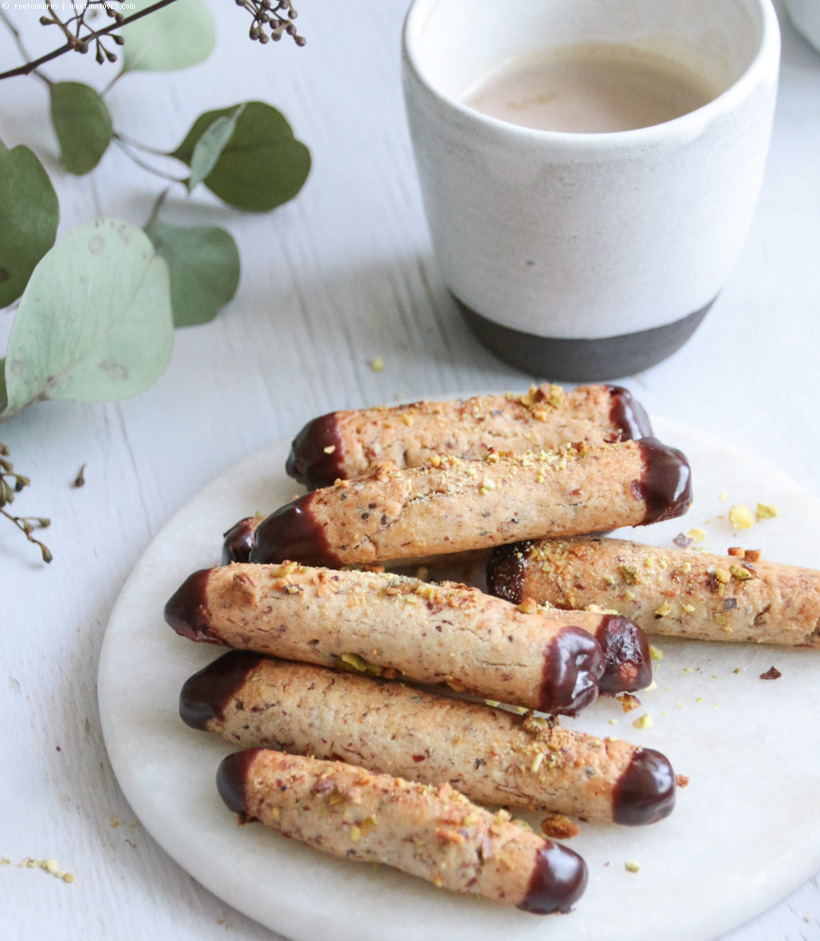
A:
583, 360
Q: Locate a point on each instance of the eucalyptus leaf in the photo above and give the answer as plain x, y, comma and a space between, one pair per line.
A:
29, 213
203, 262
175, 37
83, 125
94, 322
262, 166
209, 147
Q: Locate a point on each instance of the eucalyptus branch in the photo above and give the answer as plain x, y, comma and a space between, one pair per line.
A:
268, 14
270, 20
81, 45
11, 483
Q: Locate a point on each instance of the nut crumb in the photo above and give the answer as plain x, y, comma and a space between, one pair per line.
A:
740, 517
631, 866
628, 701
644, 722
766, 511
559, 827
681, 780
771, 674
377, 364
329, 449
655, 653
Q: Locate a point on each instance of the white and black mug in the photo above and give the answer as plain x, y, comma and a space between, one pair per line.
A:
589, 255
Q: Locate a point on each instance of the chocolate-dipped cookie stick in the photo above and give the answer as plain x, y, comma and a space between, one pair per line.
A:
490, 755
428, 633
433, 833
344, 445
737, 597
454, 505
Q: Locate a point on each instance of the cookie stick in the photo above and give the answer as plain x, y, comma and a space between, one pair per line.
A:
463, 505
344, 445
667, 591
436, 834
490, 755
627, 665
430, 634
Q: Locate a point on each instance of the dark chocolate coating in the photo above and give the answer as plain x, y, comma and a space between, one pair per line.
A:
626, 654
558, 880
232, 776
309, 462
505, 571
645, 792
292, 534
185, 610
206, 694
573, 664
666, 483
238, 541
628, 415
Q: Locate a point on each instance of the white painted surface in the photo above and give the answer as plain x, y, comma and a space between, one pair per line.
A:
342, 275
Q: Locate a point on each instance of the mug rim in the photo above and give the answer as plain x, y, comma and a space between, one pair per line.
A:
685, 126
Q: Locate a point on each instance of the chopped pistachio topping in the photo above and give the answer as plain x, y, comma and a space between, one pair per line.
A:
355, 661
662, 610
740, 572
537, 762
377, 364
643, 722
697, 534
655, 653
631, 866
740, 517
766, 511
722, 575
629, 572
688, 608
329, 449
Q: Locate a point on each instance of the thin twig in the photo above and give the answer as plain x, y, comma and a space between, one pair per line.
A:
157, 206
18, 39
141, 163
30, 67
118, 135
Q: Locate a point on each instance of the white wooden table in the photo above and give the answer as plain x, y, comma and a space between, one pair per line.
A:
340, 276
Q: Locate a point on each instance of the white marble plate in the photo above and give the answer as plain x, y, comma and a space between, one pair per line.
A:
745, 833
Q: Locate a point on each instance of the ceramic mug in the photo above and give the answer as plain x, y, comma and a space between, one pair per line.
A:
587, 256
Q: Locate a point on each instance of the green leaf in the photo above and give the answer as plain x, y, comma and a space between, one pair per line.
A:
204, 266
175, 37
29, 213
209, 147
83, 125
262, 165
94, 322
